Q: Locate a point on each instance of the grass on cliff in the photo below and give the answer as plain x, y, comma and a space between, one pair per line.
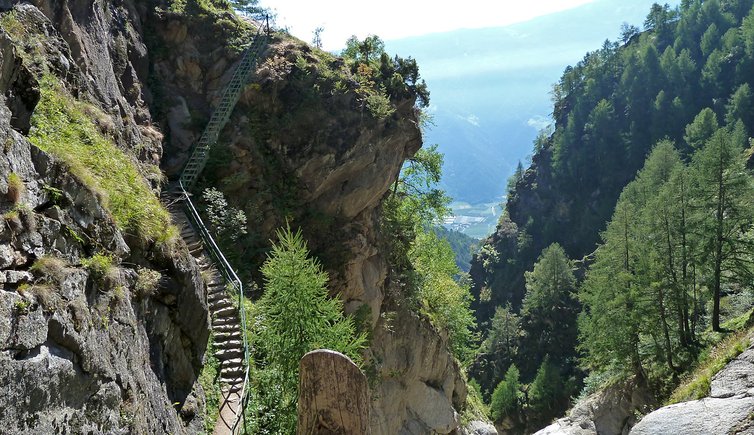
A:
697, 384
61, 127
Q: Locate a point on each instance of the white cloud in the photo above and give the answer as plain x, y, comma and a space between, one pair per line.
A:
539, 122
473, 120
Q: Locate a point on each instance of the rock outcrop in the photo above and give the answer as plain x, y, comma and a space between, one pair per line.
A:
302, 148
728, 409
610, 411
82, 349
477, 427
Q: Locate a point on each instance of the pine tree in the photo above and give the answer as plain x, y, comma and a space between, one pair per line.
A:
504, 401
501, 344
549, 308
298, 317
701, 129
545, 390
723, 215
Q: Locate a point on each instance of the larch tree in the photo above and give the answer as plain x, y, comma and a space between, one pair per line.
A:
723, 194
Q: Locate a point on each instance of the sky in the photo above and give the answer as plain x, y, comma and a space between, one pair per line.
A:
395, 19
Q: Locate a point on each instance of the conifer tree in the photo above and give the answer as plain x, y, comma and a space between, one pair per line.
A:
549, 309
504, 401
298, 317
723, 195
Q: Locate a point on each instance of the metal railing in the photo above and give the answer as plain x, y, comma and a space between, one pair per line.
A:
231, 278
221, 114
194, 166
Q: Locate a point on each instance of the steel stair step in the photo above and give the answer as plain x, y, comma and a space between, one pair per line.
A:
232, 371
231, 363
223, 312
219, 303
228, 336
224, 321
231, 380
227, 328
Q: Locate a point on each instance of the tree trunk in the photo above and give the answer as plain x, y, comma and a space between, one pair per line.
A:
720, 215
333, 395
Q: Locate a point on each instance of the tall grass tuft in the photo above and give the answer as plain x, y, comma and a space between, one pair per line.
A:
61, 128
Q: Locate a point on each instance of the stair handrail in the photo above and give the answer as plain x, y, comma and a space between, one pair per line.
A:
232, 279
220, 115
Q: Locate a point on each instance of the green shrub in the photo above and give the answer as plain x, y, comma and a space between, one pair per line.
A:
100, 266
10, 23
147, 282
21, 306
55, 194
16, 187
60, 127
442, 299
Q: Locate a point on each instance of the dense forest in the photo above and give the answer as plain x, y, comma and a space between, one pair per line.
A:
663, 255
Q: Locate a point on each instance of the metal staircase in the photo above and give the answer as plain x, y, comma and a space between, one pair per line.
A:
220, 116
223, 285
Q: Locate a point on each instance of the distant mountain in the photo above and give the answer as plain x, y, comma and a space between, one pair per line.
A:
490, 88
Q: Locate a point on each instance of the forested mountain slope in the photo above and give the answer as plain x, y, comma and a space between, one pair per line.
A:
686, 80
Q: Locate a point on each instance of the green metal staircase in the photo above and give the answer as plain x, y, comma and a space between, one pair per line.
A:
220, 116
223, 286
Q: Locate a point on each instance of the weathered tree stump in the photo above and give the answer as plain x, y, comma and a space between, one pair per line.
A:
333, 396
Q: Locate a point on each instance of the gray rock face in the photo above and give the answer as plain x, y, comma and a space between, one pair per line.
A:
607, 412
420, 385
728, 410
81, 353
699, 417
479, 428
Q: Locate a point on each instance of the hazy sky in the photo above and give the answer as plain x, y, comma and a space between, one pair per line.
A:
394, 19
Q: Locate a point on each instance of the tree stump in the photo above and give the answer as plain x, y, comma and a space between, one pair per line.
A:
333, 395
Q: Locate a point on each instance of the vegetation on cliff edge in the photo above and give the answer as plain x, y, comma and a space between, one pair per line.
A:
63, 127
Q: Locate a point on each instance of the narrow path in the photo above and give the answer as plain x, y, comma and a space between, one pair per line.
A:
230, 344
226, 321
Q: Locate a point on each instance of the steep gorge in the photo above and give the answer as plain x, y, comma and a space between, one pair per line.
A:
301, 147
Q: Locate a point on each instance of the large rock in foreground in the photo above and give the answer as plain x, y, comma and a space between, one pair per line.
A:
610, 411
728, 410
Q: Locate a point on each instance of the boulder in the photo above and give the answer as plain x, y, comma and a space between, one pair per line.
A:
477, 427
699, 417
610, 411
728, 409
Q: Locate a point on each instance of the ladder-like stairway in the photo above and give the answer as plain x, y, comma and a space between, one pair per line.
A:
231, 347
229, 343
221, 114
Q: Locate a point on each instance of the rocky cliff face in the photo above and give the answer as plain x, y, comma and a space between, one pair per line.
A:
301, 146
87, 347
